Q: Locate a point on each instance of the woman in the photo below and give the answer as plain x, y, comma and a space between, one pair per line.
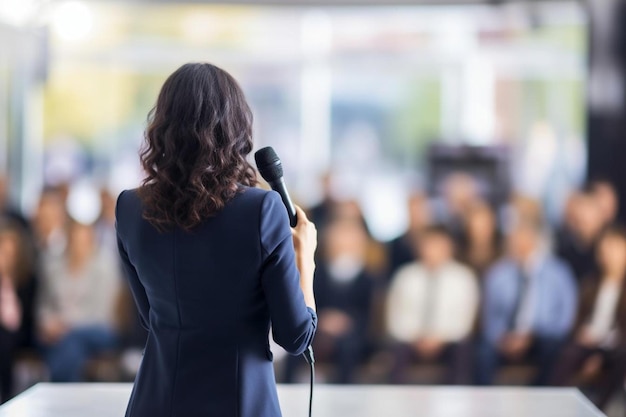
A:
599, 341
210, 259
76, 304
17, 291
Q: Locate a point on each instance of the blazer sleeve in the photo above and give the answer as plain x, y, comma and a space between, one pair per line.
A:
136, 287
293, 323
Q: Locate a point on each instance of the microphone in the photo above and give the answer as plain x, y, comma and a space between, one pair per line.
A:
271, 169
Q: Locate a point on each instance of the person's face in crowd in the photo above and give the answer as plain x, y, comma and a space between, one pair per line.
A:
460, 191
345, 237
612, 256
481, 224
569, 212
347, 210
50, 215
436, 249
588, 217
108, 205
522, 242
526, 209
606, 196
419, 212
81, 240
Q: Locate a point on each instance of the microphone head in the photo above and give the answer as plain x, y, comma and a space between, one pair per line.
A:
268, 164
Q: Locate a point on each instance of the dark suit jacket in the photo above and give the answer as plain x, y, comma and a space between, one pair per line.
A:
353, 298
207, 298
588, 299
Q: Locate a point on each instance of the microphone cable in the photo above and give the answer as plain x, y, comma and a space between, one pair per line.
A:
310, 358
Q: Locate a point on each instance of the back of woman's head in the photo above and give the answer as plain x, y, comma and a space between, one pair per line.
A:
196, 144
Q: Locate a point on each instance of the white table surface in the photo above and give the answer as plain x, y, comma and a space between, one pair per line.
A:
109, 400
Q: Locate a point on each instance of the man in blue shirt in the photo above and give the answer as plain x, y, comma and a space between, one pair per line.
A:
530, 301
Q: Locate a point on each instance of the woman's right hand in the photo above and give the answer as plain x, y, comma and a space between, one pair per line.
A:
305, 243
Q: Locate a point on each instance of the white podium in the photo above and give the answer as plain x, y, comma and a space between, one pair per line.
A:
109, 400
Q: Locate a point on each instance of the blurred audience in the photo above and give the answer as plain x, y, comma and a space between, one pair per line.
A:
576, 240
49, 222
105, 225
404, 249
599, 341
60, 291
460, 191
17, 293
321, 212
431, 307
529, 306
605, 194
76, 303
523, 208
481, 242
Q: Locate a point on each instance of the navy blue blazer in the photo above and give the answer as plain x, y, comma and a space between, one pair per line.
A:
207, 298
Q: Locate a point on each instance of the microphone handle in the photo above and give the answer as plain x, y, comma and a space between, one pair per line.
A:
280, 187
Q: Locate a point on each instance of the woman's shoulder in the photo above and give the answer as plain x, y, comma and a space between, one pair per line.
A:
126, 196
259, 198
127, 199
128, 208
254, 193
249, 193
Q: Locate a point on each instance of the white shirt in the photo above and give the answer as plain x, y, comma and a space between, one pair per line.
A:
450, 294
602, 324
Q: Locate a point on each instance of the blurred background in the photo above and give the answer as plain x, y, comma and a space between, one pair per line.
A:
440, 146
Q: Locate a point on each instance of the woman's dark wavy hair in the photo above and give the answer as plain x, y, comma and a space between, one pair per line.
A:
196, 143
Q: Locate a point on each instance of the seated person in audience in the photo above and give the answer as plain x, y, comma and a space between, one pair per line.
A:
403, 249
105, 225
75, 304
576, 240
530, 300
460, 190
343, 292
17, 292
480, 246
599, 341
321, 212
522, 207
431, 308
605, 194
49, 223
